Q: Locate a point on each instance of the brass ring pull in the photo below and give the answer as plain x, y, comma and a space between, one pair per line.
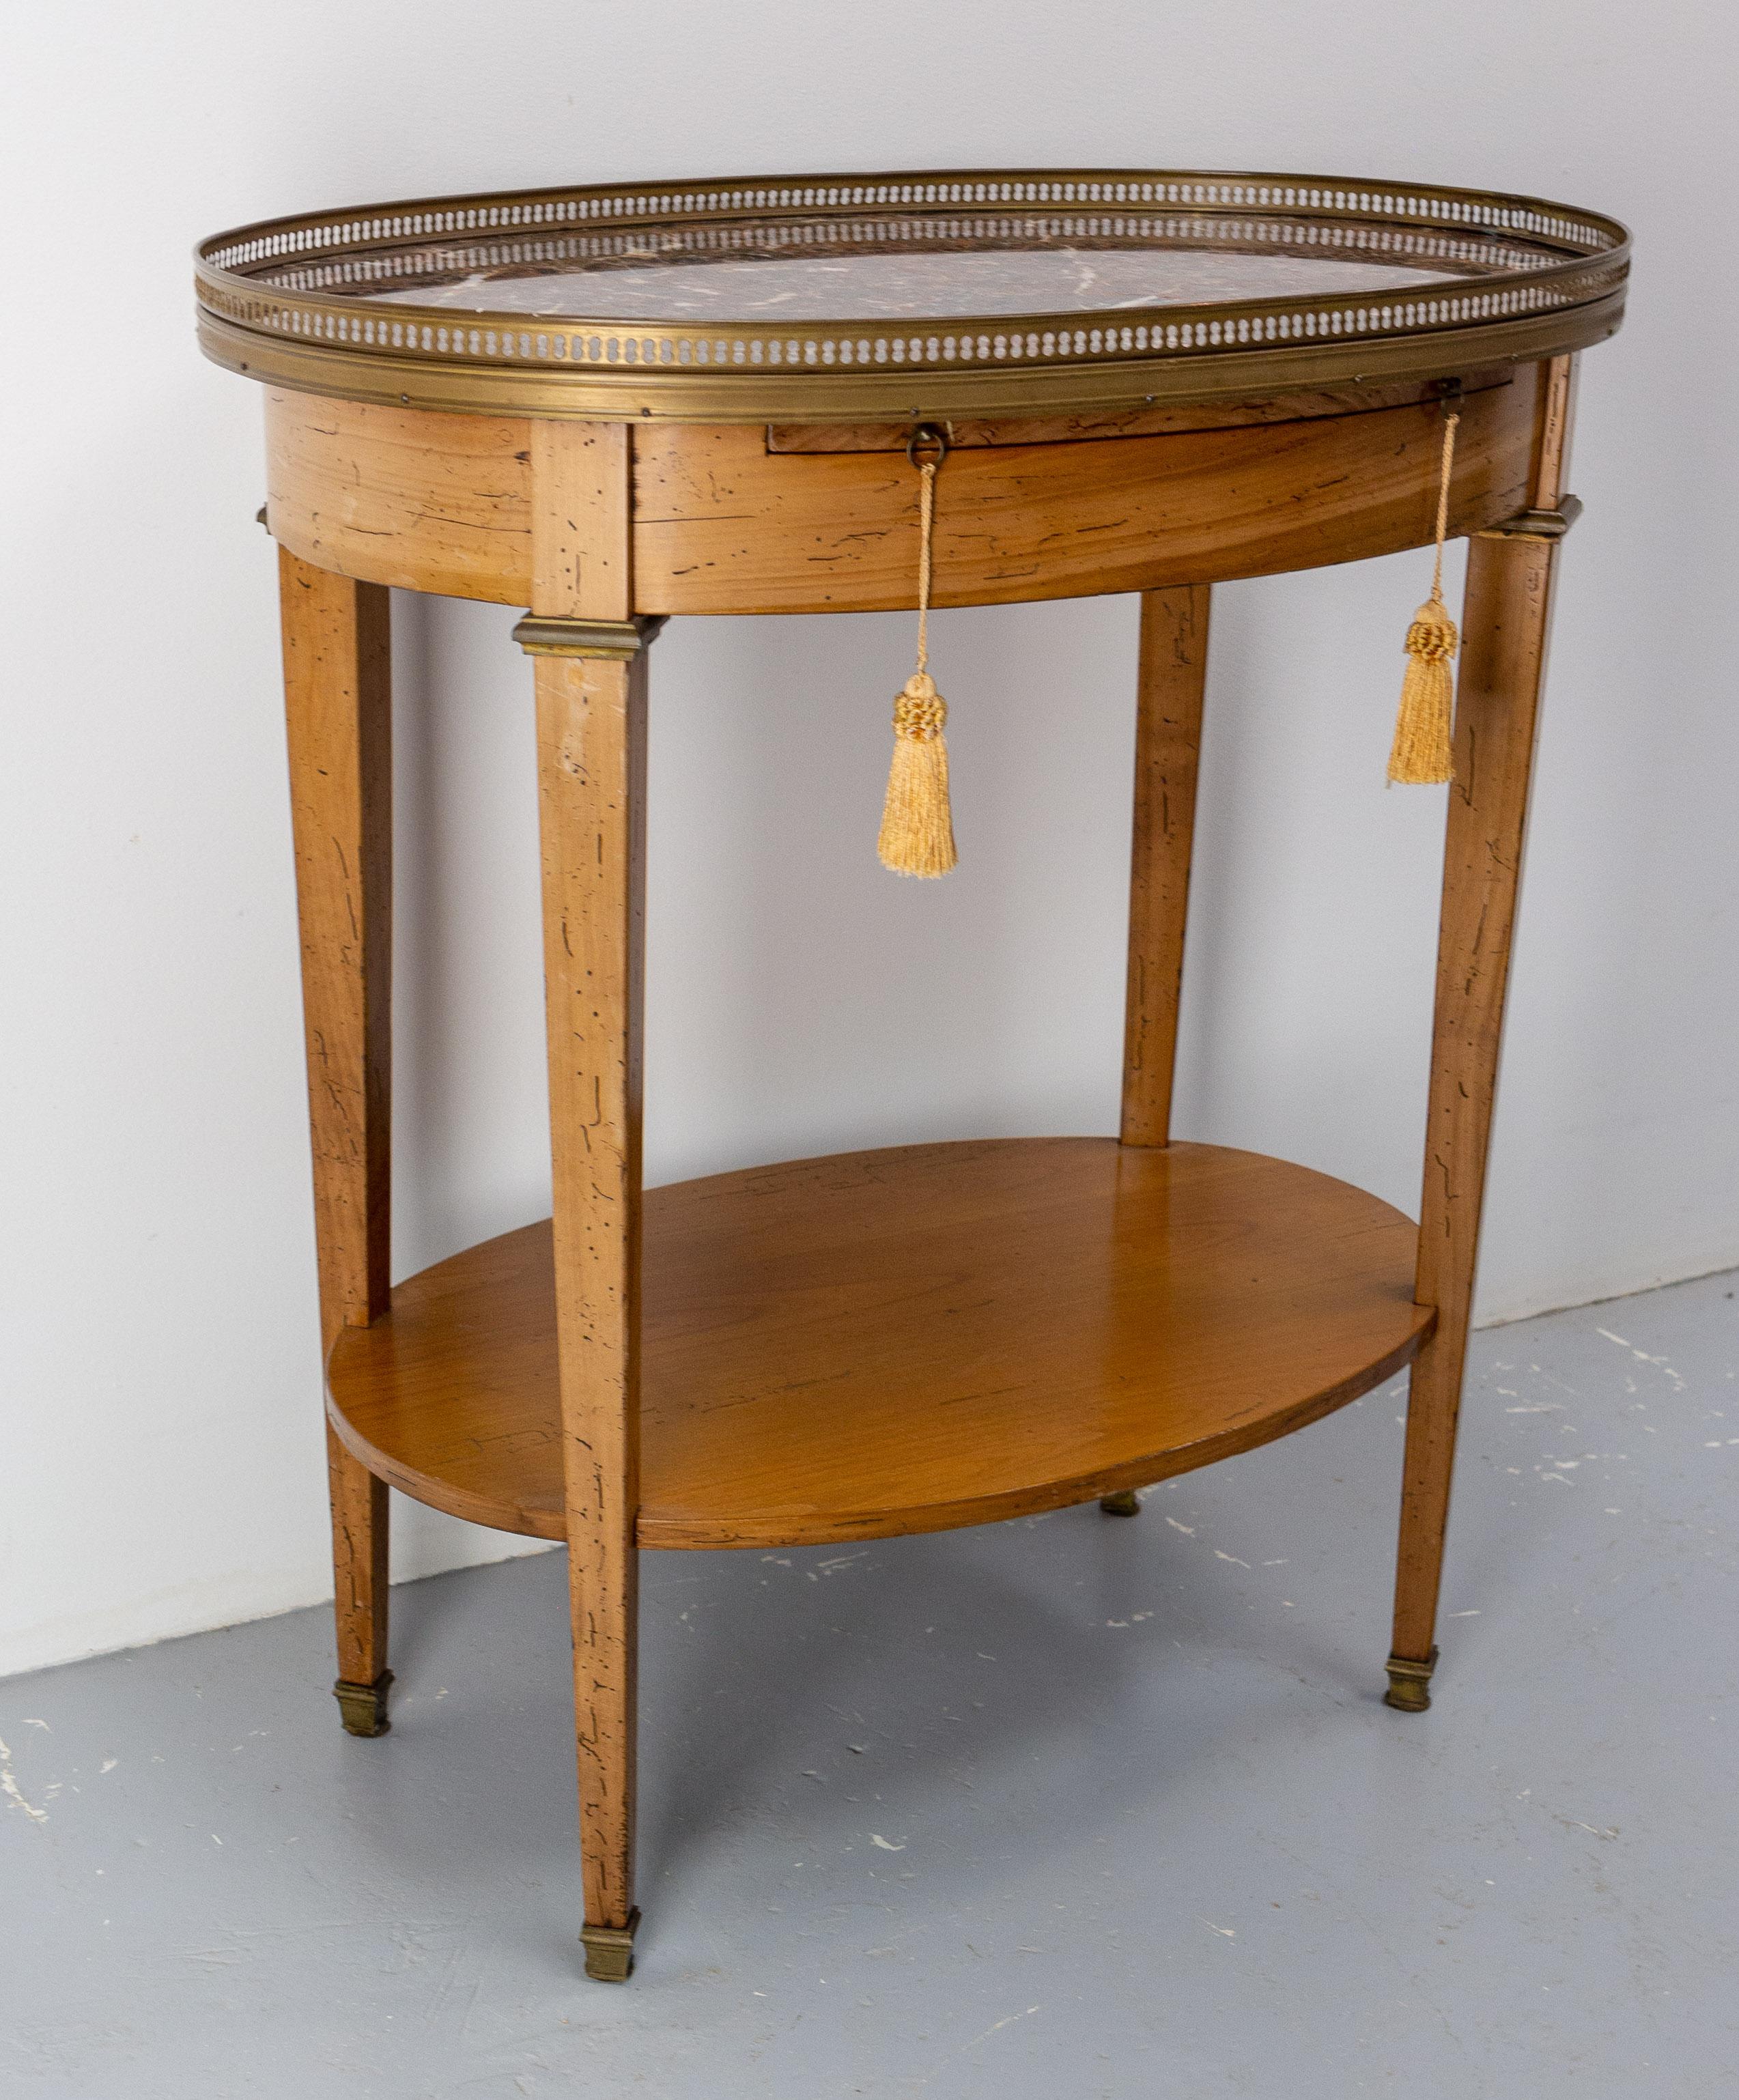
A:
927, 433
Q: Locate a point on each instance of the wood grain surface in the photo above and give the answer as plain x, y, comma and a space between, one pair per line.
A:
591, 781
403, 496
720, 525
1285, 408
337, 683
907, 1340
899, 1341
1505, 621
724, 524
1171, 677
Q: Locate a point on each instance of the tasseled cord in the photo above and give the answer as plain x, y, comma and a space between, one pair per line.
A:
1422, 751
917, 824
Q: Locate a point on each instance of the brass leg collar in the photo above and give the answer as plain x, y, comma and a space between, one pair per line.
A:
1542, 525
363, 1706
610, 1950
1409, 1683
1125, 1503
551, 634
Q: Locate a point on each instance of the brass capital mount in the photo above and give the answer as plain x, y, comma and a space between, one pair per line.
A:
608, 641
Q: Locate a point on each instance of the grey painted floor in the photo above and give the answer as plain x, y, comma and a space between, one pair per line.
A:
1072, 1808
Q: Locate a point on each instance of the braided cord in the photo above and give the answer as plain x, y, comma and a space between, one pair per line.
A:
926, 515
1443, 504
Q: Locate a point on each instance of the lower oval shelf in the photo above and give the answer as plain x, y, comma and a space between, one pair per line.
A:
905, 1341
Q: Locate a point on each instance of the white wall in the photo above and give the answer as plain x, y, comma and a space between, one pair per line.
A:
161, 1417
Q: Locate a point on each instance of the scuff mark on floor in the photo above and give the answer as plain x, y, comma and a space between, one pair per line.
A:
1570, 1824
998, 2028
9, 1788
1661, 1364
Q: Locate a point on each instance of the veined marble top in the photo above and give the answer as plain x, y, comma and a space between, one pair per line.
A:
891, 267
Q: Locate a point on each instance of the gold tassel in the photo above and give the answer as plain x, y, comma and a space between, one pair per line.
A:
917, 823
1422, 751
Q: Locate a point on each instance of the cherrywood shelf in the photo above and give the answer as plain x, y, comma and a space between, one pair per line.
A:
906, 1340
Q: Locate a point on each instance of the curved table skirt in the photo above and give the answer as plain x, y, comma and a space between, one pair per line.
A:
908, 1340
748, 518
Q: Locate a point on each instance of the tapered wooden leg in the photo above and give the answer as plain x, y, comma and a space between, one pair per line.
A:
1173, 676
591, 740
337, 688
1171, 680
1503, 661
359, 1572
1506, 621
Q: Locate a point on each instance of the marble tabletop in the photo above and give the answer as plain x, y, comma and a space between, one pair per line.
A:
874, 269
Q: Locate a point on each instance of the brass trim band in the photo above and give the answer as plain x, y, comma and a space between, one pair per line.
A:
634, 394
611, 641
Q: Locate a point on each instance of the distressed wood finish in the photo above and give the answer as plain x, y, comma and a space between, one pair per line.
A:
338, 707
908, 1340
904, 1341
1171, 677
1505, 622
402, 495
975, 430
723, 524
591, 742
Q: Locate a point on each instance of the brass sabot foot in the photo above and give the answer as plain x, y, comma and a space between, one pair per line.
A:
610, 1950
1410, 1683
363, 1706
1125, 1503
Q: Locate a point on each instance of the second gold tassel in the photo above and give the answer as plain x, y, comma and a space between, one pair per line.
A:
1422, 753
917, 820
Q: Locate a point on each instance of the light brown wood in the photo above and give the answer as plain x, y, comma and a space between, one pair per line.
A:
901, 1341
1170, 682
907, 1340
721, 525
974, 430
591, 740
1505, 623
361, 1535
338, 705
403, 496
580, 496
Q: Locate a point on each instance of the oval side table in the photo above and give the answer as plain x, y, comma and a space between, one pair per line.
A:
614, 405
